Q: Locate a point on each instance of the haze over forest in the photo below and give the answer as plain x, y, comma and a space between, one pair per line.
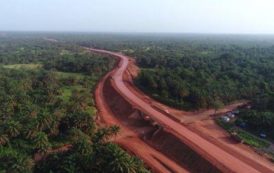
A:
169, 16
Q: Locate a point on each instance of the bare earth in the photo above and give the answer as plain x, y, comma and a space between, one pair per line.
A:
129, 140
195, 129
202, 123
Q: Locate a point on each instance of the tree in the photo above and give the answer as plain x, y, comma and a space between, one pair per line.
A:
43, 120
120, 161
12, 128
4, 139
217, 104
113, 159
41, 143
12, 161
30, 131
83, 147
102, 135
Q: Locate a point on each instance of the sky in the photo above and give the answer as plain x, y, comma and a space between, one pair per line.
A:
153, 16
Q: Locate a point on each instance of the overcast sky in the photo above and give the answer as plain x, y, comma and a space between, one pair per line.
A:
179, 16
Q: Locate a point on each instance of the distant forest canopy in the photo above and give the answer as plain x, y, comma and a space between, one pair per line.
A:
201, 71
198, 78
46, 106
193, 71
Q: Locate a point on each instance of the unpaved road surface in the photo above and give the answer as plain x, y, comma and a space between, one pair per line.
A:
202, 122
218, 155
129, 140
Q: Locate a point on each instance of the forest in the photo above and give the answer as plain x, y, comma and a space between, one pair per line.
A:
199, 71
46, 91
47, 113
210, 64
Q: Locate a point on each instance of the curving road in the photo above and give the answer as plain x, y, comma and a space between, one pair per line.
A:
129, 140
225, 161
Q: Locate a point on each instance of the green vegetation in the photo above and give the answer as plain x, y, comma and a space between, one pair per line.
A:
201, 71
49, 97
195, 71
66, 92
252, 140
227, 126
258, 122
23, 66
67, 75
46, 105
191, 80
242, 135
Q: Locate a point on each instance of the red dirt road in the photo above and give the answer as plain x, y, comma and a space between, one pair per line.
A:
129, 140
202, 122
224, 160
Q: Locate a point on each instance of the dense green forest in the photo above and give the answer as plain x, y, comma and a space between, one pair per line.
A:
259, 119
194, 71
47, 114
185, 71
201, 78
200, 71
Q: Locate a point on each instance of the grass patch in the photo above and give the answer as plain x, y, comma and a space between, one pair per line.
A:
23, 66
91, 110
65, 75
128, 51
242, 135
252, 140
66, 91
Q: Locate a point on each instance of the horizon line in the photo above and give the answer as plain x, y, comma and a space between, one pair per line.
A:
132, 32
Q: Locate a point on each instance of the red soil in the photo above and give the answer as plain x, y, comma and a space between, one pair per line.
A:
202, 123
118, 101
129, 139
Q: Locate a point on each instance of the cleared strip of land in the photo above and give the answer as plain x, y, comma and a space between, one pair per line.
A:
221, 157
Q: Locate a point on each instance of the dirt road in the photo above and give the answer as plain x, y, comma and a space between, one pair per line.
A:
129, 140
224, 160
202, 122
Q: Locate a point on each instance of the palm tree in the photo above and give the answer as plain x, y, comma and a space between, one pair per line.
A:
41, 142
83, 147
54, 127
217, 104
31, 133
31, 130
43, 120
4, 139
120, 161
102, 135
114, 130
12, 128
83, 121
13, 161
76, 101
76, 135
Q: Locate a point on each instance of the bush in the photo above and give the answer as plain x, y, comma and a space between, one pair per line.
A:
252, 140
